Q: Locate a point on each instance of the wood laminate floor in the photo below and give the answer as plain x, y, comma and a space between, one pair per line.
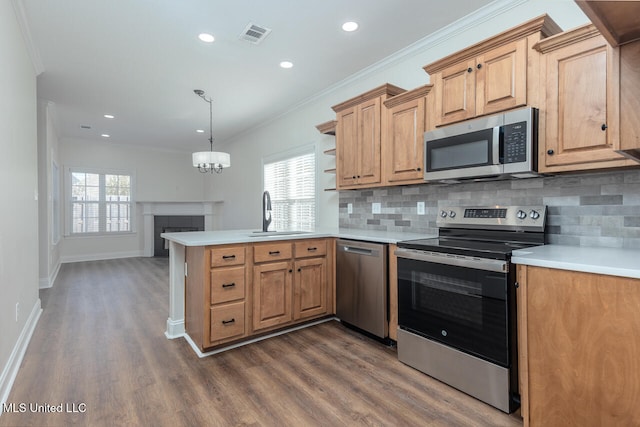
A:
100, 347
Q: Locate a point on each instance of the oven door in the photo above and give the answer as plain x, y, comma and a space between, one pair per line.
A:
461, 302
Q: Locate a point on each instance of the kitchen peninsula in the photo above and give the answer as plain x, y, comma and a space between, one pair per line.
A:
228, 287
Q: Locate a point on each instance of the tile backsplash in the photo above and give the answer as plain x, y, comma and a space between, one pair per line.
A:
594, 209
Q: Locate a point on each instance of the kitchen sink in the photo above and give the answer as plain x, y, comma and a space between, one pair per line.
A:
276, 233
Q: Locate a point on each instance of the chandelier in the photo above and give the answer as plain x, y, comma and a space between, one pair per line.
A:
210, 161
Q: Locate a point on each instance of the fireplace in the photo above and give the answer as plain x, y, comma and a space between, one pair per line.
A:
173, 224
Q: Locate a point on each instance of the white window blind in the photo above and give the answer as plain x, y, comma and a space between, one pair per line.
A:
291, 183
100, 202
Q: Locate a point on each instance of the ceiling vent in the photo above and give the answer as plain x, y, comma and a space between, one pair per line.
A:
254, 33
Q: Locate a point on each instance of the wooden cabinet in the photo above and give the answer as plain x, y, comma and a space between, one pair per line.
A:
290, 282
215, 294
581, 115
403, 126
494, 75
358, 138
578, 344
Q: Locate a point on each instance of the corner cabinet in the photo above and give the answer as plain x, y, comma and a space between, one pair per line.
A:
581, 114
494, 75
358, 138
578, 346
404, 123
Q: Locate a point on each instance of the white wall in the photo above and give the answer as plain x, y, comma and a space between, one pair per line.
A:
241, 186
18, 187
160, 176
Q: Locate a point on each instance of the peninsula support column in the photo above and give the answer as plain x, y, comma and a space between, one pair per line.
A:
175, 322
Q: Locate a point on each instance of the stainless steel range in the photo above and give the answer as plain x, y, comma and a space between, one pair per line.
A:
456, 299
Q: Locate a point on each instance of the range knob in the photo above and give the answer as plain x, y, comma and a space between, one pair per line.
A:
452, 214
521, 214
534, 215
443, 214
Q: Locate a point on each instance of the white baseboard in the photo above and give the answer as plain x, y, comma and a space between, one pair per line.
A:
47, 282
101, 256
10, 371
175, 329
243, 343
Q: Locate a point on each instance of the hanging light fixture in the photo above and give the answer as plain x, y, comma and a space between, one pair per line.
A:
210, 161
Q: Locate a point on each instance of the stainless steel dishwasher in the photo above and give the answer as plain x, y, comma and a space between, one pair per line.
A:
361, 285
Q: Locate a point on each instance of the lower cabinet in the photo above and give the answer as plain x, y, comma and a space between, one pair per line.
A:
578, 345
233, 292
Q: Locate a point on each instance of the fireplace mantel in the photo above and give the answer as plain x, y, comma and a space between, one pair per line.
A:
151, 209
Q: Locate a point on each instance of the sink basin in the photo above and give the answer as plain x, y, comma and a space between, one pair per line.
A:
276, 233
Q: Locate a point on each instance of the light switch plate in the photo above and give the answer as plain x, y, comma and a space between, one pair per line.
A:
420, 208
349, 208
375, 208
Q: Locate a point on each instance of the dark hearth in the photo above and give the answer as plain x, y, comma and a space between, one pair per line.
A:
173, 224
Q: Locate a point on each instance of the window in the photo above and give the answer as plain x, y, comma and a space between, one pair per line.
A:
100, 202
291, 182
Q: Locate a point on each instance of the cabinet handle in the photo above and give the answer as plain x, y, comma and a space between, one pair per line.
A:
604, 126
228, 257
469, 70
228, 285
226, 322
550, 152
312, 249
290, 271
517, 285
274, 252
479, 66
358, 176
299, 270
418, 169
354, 177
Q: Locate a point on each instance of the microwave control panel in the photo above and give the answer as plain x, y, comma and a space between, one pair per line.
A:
515, 142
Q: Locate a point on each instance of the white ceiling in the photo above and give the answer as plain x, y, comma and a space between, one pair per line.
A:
140, 60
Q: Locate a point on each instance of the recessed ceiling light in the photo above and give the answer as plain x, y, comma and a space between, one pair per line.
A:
286, 64
205, 37
199, 130
109, 116
350, 26
105, 135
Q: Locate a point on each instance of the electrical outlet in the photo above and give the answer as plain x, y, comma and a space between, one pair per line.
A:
420, 208
349, 208
17, 311
376, 208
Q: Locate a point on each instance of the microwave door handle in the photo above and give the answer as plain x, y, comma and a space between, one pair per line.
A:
496, 145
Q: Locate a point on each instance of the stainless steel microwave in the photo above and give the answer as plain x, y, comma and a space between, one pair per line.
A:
497, 146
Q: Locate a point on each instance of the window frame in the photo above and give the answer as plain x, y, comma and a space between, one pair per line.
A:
102, 202
292, 153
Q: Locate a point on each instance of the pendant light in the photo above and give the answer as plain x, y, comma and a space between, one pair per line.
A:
210, 161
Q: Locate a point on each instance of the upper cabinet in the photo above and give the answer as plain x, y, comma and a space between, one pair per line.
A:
404, 123
580, 121
358, 138
494, 75
616, 20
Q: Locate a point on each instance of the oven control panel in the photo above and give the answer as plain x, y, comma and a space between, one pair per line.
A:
525, 218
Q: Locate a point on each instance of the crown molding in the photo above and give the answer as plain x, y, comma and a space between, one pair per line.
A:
23, 23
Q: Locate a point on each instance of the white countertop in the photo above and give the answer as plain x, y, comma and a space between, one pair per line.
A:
611, 261
222, 237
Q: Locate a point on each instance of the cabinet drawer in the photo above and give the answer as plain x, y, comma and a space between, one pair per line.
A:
308, 248
233, 255
227, 284
227, 321
272, 252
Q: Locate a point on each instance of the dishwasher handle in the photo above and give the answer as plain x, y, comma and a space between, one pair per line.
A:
359, 251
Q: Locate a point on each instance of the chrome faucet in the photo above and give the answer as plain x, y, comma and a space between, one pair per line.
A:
266, 208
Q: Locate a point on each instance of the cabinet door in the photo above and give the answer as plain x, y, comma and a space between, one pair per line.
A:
369, 170
347, 148
272, 290
404, 141
501, 78
455, 93
580, 93
310, 288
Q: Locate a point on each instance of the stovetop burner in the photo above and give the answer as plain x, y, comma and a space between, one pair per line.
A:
485, 232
